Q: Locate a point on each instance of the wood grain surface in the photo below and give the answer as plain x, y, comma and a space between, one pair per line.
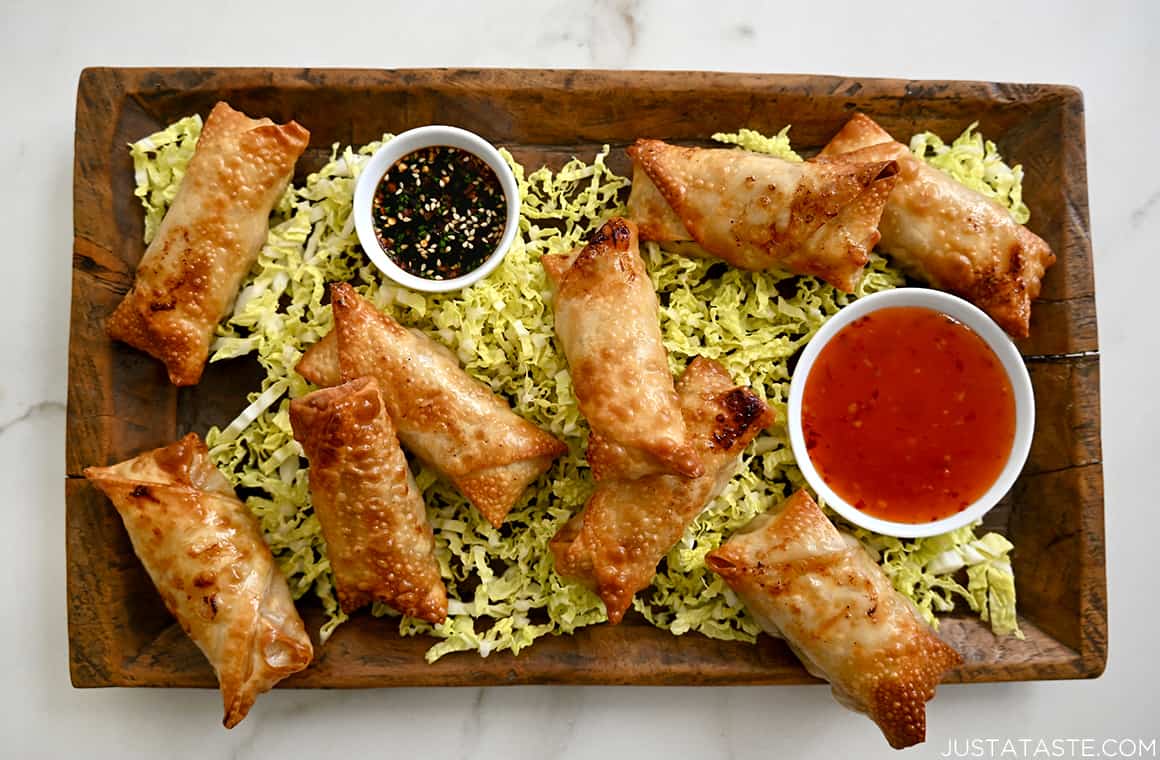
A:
120, 403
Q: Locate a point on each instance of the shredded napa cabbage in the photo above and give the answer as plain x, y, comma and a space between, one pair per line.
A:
778, 145
159, 162
503, 590
976, 163
927, 571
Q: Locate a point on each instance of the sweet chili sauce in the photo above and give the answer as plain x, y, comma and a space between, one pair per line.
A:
908, 415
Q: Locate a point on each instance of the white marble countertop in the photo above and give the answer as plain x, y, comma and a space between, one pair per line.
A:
1107, 48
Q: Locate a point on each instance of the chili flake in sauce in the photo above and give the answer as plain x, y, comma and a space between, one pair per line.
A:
908, 415
439, 212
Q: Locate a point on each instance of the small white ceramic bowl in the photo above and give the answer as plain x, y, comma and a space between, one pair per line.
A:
409, 142
1000, 344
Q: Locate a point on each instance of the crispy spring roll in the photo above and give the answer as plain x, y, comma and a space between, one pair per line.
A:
451, 421
607, 319
949, 235
615, 543
820, 590
192, 270
204, 551
754, 211
319, 364
378, 539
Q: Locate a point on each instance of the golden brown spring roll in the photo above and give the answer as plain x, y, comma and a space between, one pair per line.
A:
319, 364
755, 211
451, 421
378, 540
627, 527
190, 274
948, 235
204, 551
607, 319
820, 590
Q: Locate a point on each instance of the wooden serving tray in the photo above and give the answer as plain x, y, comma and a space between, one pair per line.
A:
120, 403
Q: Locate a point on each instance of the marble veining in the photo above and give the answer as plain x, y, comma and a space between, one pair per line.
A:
613, 34
1141, 213
471, 723
33, 411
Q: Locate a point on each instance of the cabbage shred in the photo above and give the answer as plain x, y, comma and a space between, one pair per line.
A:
503, 591
159, 162
778, 145
976, 163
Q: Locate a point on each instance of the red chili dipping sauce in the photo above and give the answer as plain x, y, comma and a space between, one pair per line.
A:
908, 415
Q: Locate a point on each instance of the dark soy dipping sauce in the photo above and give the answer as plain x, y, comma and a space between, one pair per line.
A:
439, 212
908, 415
